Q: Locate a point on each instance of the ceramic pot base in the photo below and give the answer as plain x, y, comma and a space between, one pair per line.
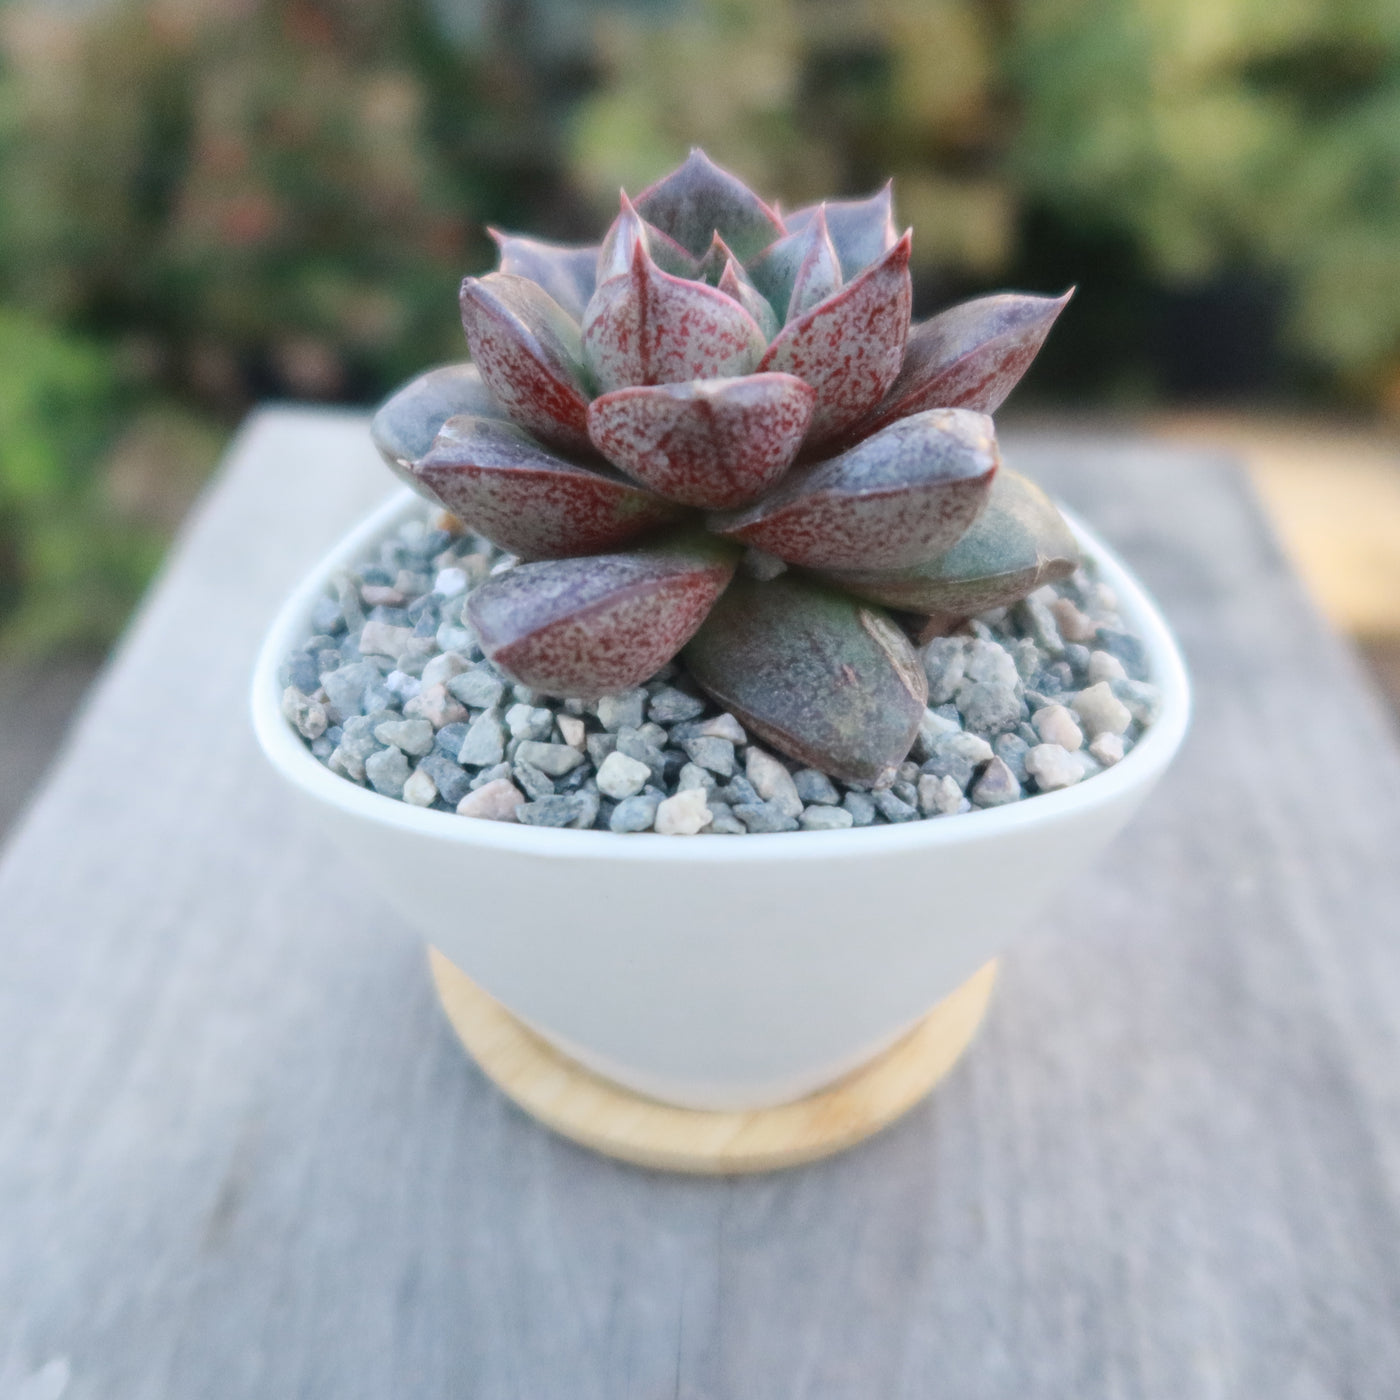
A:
610, 1119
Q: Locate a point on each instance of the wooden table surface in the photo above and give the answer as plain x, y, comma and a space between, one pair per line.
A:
242, 1155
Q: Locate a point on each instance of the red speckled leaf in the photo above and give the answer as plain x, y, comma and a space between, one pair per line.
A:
818, 274
734, 283
528, 352
849, 347
567, 273
590, 627
620, 243
714, 442
405, 424
1019, 542
698, 200
970, 356
831, 682
861, 229
651, 328
501, 483
898, 499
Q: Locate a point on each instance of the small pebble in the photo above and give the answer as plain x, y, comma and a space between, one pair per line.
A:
772, 781
1055, 725
625, 711
306, 714
529, 721
685, 814
599, 746
1107, 749
723, 726
440, 669
420, 790
1012, 750
1104, 666
1073, 625
621, 777
989, 707
826, 818
813, 786
497, 801
485, 743
990, 661
450, 582
996, 787
1052, 767
939, 797
894, 808
635, 813
412, 736
1143, 701
571, 730
1101, 711
568, 809
692, 775
384, 639
861, 807
766, 817
957, 756
387, 771
554, 759
715, 754
670, 706
536, 784
452, 781
944, 661
477, 688
435, 705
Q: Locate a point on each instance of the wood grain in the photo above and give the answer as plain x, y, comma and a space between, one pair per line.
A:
241, 1154
602, 1115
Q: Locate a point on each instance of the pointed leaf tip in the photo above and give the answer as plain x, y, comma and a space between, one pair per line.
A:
652, 328
528, 351
862, 230
970, 356
818, 273
713, 443
568, 273
698, 199
898, 499
816, 674
593, 626
849, 347
527, 499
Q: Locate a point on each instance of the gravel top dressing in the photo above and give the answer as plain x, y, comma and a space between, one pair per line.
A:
392, 692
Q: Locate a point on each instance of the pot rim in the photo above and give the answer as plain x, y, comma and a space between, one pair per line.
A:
288, 754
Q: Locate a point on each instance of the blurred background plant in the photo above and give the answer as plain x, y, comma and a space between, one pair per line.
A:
212, 202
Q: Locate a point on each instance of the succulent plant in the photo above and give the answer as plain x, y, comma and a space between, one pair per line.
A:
718, 433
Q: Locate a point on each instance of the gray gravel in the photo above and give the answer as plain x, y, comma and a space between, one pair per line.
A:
392, 692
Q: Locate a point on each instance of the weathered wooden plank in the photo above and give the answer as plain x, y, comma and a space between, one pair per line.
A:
241, 1155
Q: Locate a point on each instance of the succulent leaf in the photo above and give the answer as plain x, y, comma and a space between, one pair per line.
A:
818, 274
649, 327
896, 500
405, 424
714, 443
620, 244
592, 626
861, 229
529, 355
503, 484
850, 346
1018, 543
698, 200
735, 283
970, 356
568, 273
830, 682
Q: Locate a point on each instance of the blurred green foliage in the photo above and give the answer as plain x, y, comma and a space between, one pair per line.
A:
208, 202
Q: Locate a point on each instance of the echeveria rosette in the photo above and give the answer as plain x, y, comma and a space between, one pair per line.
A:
717, 432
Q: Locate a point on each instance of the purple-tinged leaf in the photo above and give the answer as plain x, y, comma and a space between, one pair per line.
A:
734, 283
714, 443
828, 681
849, 347
405, 424
898, 499
861, 229
1018, 543
529, 355
651, 328
593, 626
969, 356
818, 274
503, 484
698, 200
717, 257
620, 244
567, 273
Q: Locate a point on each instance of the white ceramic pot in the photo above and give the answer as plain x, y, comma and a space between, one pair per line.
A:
712, 972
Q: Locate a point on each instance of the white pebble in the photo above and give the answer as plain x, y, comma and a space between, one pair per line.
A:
620, 777
826, 819
435, 705
1104, 666
1073, 625
420, 790
724, 726
685, 814
1056, 725
772, 781
496, 801
1108, 749
1053, 767
450, 582
939, 796
571, 730
383, 639
442, 668
1101, 711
